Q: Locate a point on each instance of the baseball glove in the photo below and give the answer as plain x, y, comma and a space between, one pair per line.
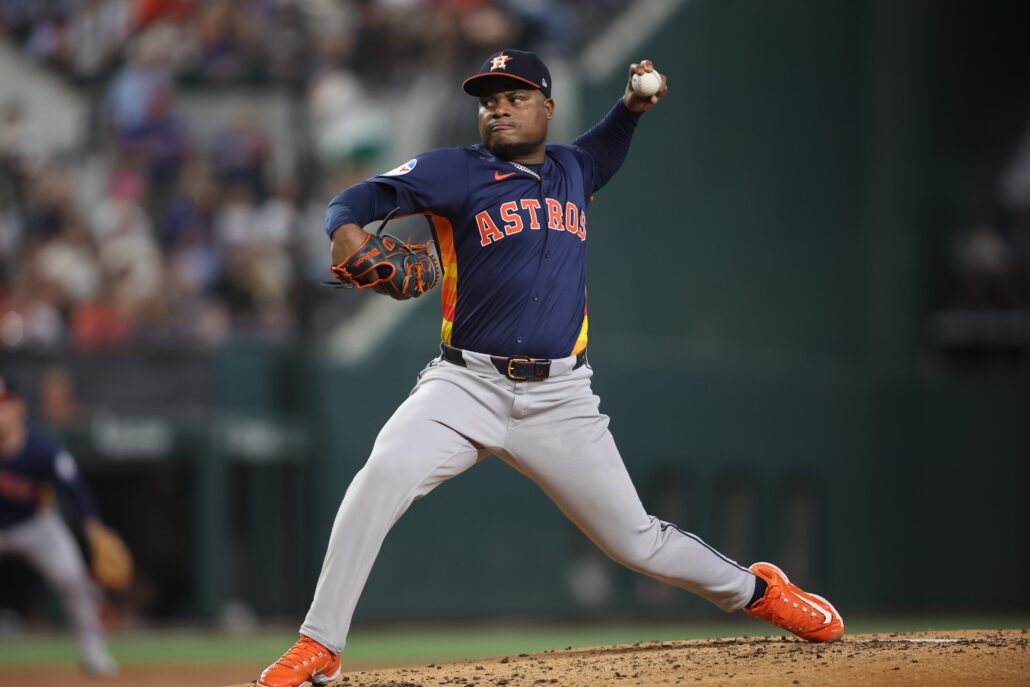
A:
111, 561
389, 266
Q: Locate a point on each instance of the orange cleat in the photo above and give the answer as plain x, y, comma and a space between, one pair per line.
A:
809, 616
306, 660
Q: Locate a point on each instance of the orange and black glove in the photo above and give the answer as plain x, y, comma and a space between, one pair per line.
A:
389, 266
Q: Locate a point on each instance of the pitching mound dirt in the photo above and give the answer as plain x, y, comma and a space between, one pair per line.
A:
932, 658
936, 659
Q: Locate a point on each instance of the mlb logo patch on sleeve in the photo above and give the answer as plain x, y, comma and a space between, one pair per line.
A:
403, 169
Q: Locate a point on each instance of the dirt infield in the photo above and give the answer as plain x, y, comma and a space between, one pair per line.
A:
938, 659
929, 658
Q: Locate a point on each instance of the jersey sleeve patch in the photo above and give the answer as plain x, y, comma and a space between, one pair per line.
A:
403, 169
64, 466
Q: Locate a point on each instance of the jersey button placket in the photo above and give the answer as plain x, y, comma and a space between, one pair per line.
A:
530, 307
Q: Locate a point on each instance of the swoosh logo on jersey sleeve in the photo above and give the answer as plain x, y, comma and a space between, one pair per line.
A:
501, 177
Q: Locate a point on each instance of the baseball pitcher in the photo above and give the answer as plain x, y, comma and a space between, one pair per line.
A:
510, 221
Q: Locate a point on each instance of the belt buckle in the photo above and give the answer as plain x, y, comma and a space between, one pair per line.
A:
511, 361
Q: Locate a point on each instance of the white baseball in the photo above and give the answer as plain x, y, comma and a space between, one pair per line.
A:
647, 84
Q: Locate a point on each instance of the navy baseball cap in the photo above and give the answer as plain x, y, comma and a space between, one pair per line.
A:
517, 65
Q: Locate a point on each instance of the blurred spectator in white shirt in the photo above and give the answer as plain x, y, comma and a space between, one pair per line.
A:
69, 262
96, 34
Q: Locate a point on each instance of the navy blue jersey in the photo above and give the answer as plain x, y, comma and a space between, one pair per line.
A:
511, 238
26, 477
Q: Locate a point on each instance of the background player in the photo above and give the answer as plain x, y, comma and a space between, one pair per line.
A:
510, 219
31, 463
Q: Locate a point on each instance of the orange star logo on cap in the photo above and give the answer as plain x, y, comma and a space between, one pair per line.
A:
499, 62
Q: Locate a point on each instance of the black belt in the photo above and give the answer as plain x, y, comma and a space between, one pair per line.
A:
518, 368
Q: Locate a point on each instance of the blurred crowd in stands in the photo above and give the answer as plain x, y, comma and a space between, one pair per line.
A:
287, 41
195, 239
185, 243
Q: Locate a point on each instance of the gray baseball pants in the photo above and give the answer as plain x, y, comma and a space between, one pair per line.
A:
48, 545
552, 432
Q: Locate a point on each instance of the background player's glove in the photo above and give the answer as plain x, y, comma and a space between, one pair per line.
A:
390, 266
111, 561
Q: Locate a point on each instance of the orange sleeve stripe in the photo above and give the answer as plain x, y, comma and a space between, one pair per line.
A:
449, 261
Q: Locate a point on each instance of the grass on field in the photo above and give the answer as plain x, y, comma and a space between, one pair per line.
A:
415, 644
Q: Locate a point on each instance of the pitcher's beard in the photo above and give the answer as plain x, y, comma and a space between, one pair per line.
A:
510, 151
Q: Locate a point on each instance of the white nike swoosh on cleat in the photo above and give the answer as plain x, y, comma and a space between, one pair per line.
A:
827, 616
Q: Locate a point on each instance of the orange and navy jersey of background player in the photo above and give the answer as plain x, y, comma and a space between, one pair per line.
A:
512, 243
